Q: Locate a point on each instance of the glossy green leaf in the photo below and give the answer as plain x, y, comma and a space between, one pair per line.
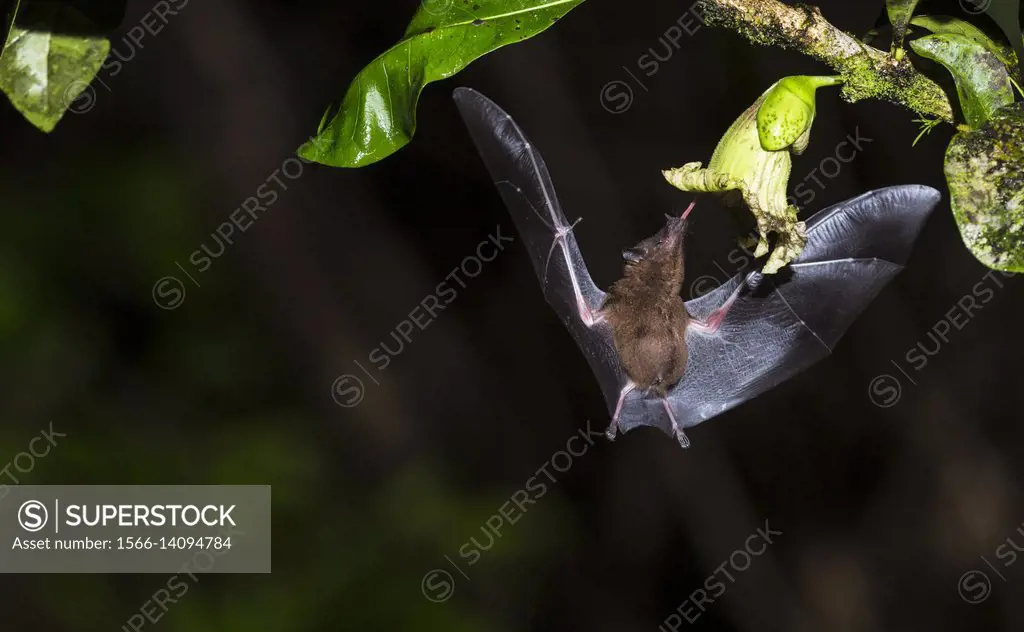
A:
377, 116
985, 172
42, 70
944, 24
900, 12
982, 81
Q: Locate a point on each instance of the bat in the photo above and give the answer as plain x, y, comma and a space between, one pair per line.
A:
671, 365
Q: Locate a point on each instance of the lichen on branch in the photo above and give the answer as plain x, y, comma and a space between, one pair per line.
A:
867, 72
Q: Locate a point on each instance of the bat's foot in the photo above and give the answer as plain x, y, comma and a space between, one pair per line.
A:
677, 432
681, 438
613, 427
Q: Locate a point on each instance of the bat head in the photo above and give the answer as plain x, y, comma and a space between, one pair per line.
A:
667, 243
656, 263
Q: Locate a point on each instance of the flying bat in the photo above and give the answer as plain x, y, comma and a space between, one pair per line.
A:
672, 365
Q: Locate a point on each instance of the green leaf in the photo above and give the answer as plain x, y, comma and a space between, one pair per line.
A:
944, 24
982, 82
377, 116
900, 12
42, 71
985, 172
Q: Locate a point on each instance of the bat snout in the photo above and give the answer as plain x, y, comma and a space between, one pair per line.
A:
675, 228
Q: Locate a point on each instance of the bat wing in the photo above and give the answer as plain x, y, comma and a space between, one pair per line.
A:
522, 178
782, 324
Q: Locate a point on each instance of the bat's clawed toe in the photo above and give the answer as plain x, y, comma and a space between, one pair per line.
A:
682, 438
677, 432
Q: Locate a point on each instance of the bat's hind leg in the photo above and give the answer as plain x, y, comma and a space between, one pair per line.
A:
676, 430
613, 427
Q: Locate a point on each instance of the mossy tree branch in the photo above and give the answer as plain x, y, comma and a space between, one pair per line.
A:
867, 72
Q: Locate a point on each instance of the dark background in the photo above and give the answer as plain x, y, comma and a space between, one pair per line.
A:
882, 510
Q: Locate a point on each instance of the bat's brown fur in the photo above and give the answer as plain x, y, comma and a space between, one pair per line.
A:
646, 314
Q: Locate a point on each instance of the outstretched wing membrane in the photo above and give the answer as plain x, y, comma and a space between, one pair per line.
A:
522, 178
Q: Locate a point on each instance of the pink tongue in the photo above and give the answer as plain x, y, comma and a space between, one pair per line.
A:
689, 208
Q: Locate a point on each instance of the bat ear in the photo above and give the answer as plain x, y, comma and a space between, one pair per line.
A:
633, 255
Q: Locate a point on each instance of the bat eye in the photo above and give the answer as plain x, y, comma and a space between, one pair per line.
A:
633, 255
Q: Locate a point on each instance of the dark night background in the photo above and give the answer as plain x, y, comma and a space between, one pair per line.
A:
882, 510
